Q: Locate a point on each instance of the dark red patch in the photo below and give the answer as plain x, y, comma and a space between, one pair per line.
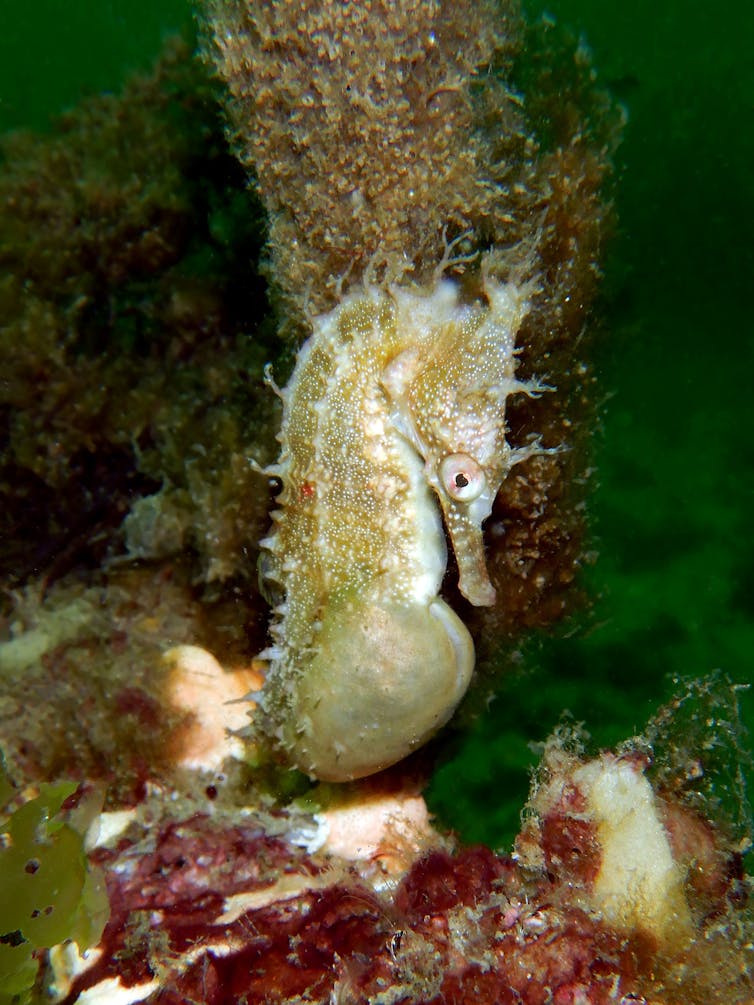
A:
440, 881
136, 702
466, 928
571, 848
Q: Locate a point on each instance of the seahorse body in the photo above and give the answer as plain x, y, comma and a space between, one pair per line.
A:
397, 400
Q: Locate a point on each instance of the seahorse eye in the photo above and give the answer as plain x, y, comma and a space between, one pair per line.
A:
462, 478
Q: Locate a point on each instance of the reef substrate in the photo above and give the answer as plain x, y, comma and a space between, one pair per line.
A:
619, 890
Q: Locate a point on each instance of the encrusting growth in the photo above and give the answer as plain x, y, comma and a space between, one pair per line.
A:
411, 219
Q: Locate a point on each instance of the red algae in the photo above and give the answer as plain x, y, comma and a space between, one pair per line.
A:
209, 910
441, 881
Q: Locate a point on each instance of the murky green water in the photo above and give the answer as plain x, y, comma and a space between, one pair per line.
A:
674, 505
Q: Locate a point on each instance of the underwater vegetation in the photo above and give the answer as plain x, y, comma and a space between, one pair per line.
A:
51, 892
128, 413
416, 248
115, 282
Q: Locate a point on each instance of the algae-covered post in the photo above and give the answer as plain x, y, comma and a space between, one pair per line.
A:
437, 259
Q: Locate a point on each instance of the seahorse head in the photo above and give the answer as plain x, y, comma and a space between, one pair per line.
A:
449, 394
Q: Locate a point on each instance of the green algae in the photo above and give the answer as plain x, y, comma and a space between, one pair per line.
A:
49, 893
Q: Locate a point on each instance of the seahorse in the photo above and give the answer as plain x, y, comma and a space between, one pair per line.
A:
393, 421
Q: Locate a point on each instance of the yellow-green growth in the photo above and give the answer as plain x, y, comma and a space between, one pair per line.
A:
48, 891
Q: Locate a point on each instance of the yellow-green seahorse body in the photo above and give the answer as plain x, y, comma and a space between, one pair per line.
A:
396, 402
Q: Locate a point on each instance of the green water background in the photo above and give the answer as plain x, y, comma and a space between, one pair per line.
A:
674, 497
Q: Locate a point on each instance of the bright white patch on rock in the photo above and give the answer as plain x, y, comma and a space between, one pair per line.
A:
639, 885
287, 887
112, 992
108, 826
198, 684
67, 962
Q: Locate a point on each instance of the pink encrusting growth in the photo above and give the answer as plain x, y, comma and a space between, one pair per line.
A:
601, 903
